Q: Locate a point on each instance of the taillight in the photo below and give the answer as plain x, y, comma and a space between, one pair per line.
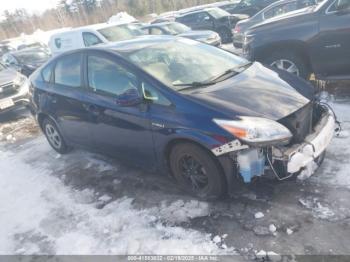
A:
237, 29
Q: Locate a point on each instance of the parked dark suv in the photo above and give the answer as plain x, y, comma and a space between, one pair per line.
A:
178, 105
214, 19
316, 40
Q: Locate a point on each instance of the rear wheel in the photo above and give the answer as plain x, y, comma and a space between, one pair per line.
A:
289, 62
196, 171
54, 137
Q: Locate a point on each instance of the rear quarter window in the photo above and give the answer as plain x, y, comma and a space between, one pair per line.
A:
68, 70
46, 73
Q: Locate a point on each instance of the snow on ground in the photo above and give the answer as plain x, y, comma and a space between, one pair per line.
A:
39, 214
336, 167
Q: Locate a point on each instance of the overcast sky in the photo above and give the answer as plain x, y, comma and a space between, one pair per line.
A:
30, 5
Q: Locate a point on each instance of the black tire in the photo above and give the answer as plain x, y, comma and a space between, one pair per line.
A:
226, 35
54, 136
297, 60
208, 176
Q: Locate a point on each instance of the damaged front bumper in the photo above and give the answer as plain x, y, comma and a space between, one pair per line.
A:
284, 161
299, 156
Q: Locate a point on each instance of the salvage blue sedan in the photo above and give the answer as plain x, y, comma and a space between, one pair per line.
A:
210, 118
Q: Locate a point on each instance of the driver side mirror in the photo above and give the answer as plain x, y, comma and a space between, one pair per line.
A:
130, 97
343, 6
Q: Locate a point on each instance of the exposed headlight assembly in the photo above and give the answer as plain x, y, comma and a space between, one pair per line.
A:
256, 130
19, 80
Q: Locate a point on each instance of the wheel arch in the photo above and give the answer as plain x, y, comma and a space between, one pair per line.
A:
297, 47
224, 163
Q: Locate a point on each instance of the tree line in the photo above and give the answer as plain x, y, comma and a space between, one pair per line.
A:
72, 13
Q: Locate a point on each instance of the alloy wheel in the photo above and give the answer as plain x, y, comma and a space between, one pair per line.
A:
53, 136
286, 65
194, 173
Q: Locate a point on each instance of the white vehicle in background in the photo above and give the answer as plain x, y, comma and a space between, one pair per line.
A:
92, 35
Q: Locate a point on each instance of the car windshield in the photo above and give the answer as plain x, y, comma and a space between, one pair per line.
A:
217, 13
176, 28
121, 32
184, 61
31, 57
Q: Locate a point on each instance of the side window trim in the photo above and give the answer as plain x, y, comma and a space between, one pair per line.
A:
330, 7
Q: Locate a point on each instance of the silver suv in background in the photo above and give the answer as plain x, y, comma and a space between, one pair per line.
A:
14, 89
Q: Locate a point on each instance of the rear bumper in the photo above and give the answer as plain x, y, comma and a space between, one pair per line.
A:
238, 40
20, 99
299, 156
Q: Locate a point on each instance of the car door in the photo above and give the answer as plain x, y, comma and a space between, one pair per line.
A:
330, 50
203, 21
122, 131
66, 100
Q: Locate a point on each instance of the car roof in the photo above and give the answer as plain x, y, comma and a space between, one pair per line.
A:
198, 11
161, 24
137, 43
25, 51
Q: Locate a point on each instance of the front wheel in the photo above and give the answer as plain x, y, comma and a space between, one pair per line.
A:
289, 62
196, 171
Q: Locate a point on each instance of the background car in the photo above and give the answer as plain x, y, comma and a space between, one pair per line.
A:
273, 10
92, 35
174, 28
171, 103
316, 41
14, 89
25, 61
214, 19
248, 7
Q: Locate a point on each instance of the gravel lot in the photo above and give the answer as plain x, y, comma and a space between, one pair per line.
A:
83, 203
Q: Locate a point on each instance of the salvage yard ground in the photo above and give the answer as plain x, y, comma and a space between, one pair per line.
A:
84, 203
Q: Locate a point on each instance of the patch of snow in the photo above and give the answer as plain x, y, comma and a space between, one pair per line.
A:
41, 215
259, 215
289, 231
217, 239
180, 211
272, 228
105, 198
122, 17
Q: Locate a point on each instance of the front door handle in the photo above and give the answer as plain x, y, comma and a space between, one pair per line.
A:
93, 109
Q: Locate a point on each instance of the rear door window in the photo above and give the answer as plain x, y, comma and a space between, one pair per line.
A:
107, 77
68, 70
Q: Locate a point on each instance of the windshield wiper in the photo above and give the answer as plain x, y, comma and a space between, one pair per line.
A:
194, 85
236, 70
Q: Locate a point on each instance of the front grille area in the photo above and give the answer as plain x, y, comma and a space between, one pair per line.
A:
300, 123
7, 90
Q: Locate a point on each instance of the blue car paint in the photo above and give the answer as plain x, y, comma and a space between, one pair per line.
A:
141, 134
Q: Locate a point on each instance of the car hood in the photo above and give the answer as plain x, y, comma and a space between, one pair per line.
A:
7, 76
197, 34
258, 91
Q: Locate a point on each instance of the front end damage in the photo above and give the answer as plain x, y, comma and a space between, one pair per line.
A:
313, 128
